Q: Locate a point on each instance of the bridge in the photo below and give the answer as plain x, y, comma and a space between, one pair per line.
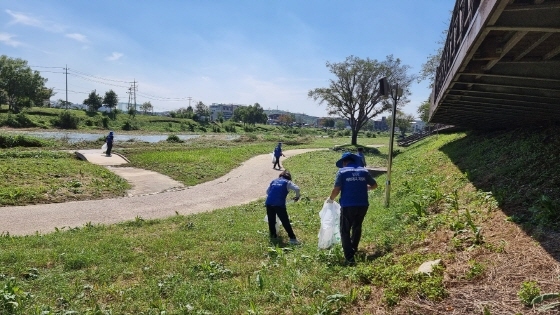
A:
500, 66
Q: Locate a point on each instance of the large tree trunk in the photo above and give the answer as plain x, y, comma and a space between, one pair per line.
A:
354, 137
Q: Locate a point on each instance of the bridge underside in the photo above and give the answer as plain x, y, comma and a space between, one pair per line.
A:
506, 72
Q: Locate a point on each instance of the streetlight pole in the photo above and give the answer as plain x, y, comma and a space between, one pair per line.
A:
396, 94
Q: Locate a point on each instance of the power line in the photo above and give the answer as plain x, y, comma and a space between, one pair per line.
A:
96, 79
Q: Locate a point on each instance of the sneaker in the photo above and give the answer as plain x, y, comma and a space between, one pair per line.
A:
294, 241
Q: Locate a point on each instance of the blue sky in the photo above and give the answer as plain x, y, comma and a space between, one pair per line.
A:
270, 52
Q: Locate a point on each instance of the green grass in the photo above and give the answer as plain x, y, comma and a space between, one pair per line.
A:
30, 176
223, 263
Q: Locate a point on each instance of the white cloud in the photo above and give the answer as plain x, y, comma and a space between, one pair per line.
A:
21, 18
78, 37
7, 39
115, 56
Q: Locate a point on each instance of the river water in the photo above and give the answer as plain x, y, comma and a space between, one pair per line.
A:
74, 137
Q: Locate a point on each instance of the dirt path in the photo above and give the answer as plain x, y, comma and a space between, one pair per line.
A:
244, 184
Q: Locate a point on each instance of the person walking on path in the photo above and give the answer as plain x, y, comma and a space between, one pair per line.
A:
277, 154
352, 183
276, 205
361, 155
109, 141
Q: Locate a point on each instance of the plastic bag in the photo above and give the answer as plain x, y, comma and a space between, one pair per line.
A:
273, 159
278, 223
104, 147
329, 234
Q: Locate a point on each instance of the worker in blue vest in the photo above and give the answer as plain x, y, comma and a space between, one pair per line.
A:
352, 182
109, 141
276, 205
277, 154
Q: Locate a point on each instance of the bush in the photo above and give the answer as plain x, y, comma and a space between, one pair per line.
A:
8, 141
229, 127
66, 120
174, 138
18, 121
130, 125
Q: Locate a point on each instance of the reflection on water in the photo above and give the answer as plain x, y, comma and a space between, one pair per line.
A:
74, 137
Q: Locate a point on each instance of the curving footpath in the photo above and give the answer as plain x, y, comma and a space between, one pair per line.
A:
243, 184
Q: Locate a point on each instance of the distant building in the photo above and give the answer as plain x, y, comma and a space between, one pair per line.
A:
226, 110
418, 126
381, 125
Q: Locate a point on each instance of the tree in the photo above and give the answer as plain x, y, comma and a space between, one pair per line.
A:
329, 122
146, 107
94, 101
354, 94
252, 114
201, 111
256, 115
286, 119
20, 86
340, 124
111, 100
424, 111
239, 114
60, 103
403, 121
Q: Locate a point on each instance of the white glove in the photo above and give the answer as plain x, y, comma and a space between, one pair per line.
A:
329, 200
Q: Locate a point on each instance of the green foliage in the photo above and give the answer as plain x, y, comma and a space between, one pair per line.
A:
12, 297
20, 86
130, 125
546, 213
66, 120
20, 120
528, 291
174, 138
11, 141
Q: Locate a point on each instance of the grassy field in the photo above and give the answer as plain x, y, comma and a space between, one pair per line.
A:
449, 192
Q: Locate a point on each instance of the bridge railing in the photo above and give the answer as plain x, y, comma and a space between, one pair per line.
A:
461, 19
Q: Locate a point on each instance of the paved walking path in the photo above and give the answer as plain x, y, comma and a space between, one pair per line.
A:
244, 184
143, 182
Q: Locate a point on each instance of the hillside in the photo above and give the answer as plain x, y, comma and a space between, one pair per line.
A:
489, 207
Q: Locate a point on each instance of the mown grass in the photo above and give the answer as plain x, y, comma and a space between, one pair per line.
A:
223, 263
34, 176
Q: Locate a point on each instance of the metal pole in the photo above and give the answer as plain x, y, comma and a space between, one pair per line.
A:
393, 120
66, 71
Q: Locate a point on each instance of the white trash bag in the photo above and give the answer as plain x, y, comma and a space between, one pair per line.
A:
104, 147
278, 223
273, 158
329, 234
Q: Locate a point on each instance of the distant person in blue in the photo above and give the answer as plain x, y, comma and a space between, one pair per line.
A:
109, 141
361, 154
276, 205
352, 183
277, 154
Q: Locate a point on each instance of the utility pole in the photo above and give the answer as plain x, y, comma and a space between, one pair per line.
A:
396, 94
134, 91
189, 98
129, 105
66, 72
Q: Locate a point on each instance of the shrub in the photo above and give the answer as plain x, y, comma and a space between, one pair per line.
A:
66, 120
19, 120
130, 125
529, 290
174, 138
8, 141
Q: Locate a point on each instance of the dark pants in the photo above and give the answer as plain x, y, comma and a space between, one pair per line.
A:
351, 219
109, 148
277, 162
272, 212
